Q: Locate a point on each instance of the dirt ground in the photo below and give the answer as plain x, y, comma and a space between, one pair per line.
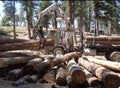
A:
8, 84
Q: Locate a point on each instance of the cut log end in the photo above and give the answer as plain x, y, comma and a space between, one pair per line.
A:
111, 81
78, 77
61, 81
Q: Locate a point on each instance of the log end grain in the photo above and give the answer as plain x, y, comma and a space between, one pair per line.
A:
78, 77
111, 81
61, 81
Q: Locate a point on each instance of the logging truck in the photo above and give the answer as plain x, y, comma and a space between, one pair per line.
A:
55, 34
109, 45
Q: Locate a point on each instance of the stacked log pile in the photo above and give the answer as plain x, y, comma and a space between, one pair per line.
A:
103, 39
31, 44
71, 70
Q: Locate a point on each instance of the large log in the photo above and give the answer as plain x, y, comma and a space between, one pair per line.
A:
102, 38
64, 58
61, 76
105, 42
11, 54
92, 80
31, 44
28, 68
8, 40
33, 78
109, 78
5, 62
14, 74
76, 72
108, 64
21, 81
4, 71
42, 66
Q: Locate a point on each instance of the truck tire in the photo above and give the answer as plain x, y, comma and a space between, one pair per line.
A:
58, 51
115, 56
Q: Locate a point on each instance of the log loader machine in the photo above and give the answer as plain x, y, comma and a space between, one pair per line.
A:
54, 34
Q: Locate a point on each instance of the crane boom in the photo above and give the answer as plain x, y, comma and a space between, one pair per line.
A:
48, 10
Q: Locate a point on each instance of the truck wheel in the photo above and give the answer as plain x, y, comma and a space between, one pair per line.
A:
115, 56
58, 51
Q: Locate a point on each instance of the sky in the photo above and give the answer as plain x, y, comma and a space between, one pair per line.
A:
17, 5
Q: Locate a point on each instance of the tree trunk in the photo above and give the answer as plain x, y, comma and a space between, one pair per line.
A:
89, 20
76, 72
28, 20
31, 44
55, 16
109, 78
5, 62
108, 64
65, 58
29, 67
81, 24
111, 28
14, 22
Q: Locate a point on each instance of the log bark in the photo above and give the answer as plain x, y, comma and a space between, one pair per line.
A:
109, 78
21, 81
61, 76
108, 64
103, 38
42, 66
46, 56
14, 74
92, 80
28, 68
5, 62
11, 54
31, 44
76, 72
105, 42
7, 40
4, 71
33, 78
65, 58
